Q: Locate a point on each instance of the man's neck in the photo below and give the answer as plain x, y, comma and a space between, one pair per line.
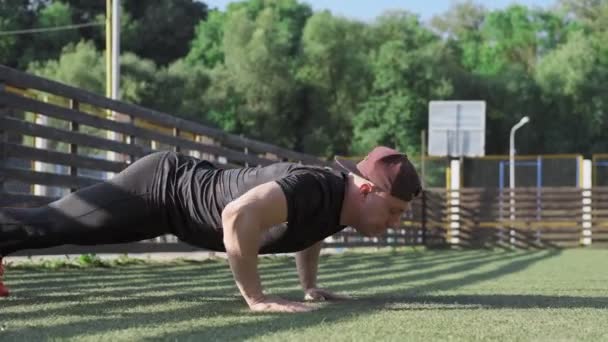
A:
349, 208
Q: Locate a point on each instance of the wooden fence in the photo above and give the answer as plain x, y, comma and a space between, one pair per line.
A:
77, 124
78, 130
75, 134
524, 218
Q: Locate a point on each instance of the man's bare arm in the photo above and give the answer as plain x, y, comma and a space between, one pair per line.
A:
307, 263
244, 221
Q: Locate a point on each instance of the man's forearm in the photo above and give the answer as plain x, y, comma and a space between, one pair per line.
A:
307, 263
241, 239
246, 276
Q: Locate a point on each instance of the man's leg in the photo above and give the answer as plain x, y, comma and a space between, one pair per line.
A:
123, 209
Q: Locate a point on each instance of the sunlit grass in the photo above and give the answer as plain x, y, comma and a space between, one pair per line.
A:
407, 294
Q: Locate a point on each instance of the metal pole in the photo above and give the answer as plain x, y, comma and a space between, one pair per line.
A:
113, 67
458, 110
109, 48
116, 49
422, 156
74, 127
521, 122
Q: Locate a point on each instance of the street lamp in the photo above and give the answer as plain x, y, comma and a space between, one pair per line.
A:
517, 126
521, 122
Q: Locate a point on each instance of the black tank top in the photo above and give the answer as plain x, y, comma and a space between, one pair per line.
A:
195, 192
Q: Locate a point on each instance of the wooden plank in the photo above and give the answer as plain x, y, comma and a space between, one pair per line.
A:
23, 80
506, 209
573, 235
507, 196
45, 178
536, 215
363, 244
518, 191
54, 157
8, 199
532, 202
599, 222
528, 224
519, 210
41, 131
560, 198
126, 128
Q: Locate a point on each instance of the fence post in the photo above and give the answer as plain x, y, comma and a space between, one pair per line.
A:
245, 151
454, 203
176, 132
131, 139
41, 143
586, 233
74, 127
424, 208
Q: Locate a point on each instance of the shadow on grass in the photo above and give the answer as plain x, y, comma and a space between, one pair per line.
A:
274, 272
405, 272
463, 302
461, 270
189, 282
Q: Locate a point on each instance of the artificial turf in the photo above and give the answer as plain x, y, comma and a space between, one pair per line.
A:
398, 295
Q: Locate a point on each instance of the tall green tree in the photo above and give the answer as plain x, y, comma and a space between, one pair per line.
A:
335, 74
495, 55
277, 71
207, 47
256, 58
174, 89
165, 28
79, 65
573, 80
179, 89
406, 76
48, 45
14, 15
254, 90
159, 30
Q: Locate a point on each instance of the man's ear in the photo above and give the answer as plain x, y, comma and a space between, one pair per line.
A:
365, 188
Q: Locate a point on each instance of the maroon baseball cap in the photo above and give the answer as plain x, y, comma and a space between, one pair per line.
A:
388, 169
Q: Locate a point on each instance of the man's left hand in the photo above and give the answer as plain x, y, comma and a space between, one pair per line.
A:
317, 294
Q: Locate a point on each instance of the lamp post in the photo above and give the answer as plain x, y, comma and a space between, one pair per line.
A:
113, 9
517, 126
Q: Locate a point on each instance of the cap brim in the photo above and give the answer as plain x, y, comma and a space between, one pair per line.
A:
348, 165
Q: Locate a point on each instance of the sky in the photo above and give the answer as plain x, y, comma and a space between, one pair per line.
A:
367, 10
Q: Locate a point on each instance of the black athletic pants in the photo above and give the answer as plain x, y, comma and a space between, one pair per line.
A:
129, 207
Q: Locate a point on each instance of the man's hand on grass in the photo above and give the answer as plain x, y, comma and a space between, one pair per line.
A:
275, 304
317, 294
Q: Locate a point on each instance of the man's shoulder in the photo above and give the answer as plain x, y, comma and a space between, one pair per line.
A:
310, 176
291, 166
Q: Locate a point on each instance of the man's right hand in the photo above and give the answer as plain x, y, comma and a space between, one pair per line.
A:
275, 304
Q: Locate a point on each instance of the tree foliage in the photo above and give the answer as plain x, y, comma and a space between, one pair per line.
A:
323, 84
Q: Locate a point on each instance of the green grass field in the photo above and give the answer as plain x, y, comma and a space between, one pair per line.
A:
418, 295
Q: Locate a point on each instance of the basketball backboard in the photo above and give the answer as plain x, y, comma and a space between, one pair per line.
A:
457, 128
